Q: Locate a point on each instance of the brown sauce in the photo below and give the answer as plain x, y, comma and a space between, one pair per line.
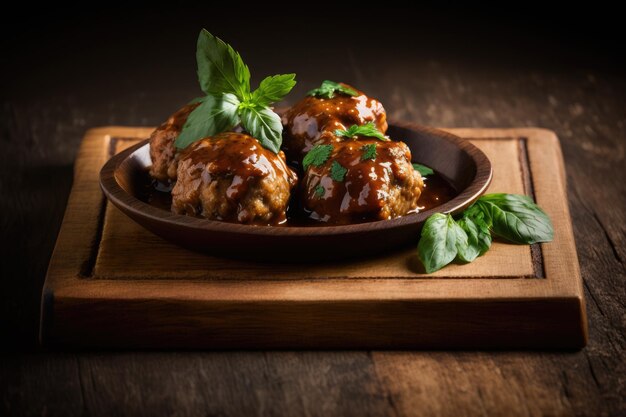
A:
437, 191
313, 120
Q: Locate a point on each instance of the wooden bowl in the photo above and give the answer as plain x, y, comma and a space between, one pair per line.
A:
464, 165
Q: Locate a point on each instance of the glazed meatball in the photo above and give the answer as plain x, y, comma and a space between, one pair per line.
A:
362, 180
313, 120
231, 177
162, 149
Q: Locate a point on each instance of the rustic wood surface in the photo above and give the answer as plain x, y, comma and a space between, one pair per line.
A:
112, 283
489, 73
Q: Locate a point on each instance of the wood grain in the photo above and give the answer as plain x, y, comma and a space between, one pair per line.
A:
492, 74
181, 299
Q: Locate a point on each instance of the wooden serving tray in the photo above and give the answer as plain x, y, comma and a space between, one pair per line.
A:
113, 284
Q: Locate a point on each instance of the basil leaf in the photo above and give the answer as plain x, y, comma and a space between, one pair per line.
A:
220, 67
438, 243
369, 151
264, 125
478, 239
466, 251
368, 130
516, 218
317, 156
328, 89
319, 191
337, 171
215, 114
273, 89
423, 170
476, 213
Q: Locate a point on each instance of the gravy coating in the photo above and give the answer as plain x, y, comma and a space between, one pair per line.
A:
371, 189
231, 177
313, 120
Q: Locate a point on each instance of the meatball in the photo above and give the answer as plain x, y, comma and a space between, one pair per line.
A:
313, 120
231, 177
162, 149
362, 180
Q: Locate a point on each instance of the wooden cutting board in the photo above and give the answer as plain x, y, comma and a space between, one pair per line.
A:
111, 283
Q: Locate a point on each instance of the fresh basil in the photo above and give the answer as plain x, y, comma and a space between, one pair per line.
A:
273, 89
478, 242
215, 114
319, 191
337, 171
516, 218
438, 243
220, 67
329, 88
225, 79
423, 170
369, 152
317, 156
368, 130
264, 125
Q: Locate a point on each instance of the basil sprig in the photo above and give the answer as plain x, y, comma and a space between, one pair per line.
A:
509, 216
329, 88
368, 130
225, 80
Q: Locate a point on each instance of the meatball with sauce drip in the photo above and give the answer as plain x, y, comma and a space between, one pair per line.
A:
313, 120
355, 184
231, 177
162, 149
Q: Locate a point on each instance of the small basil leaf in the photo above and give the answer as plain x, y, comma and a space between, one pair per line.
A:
438, 243
466, 252
369, 152
264, 125
317, 156
220, 67
368, 130
516, 218
337, 171
273, 89
328, 89
423, 170
478, 239
215, 114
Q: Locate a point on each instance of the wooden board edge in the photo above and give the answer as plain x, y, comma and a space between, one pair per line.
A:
548, 323
69, 255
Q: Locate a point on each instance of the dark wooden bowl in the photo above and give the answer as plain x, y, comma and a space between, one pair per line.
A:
464, 165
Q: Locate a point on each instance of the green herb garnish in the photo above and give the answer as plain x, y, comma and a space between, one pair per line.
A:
423, 170
368, 129
225, 80
317, 156
328, 89
516, 218
319, 191
337, 172
438, 244
510, 216
369, 151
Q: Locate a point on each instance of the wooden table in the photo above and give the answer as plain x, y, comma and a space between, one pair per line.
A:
118, 82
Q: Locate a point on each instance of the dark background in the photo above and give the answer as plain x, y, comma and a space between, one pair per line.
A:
66, 70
